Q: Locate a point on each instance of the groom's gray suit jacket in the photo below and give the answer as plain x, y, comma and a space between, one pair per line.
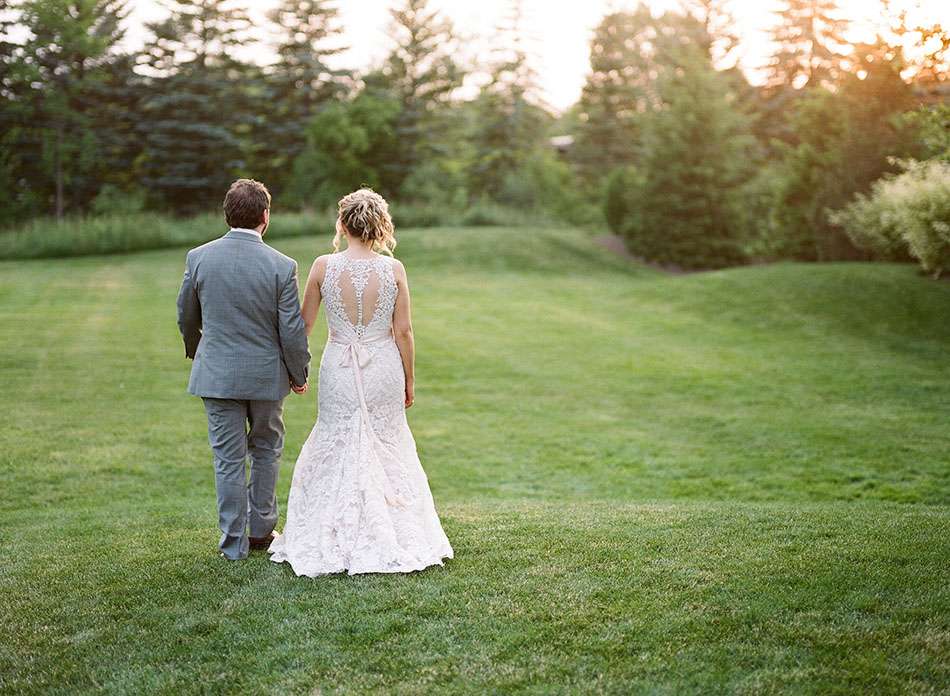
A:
239, 315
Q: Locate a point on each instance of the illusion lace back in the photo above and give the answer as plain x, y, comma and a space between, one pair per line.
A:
360, 500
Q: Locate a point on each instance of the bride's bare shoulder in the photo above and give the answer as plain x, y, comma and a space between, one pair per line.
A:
399, 271
319, 267
324, 260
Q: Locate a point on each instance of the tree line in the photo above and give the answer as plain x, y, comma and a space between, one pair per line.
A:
669, 142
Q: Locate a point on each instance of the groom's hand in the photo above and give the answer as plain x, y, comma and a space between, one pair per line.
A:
299, 390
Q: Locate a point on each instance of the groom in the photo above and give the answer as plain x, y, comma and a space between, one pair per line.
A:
239, 315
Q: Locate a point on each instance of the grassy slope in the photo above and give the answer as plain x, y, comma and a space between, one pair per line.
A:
732, 481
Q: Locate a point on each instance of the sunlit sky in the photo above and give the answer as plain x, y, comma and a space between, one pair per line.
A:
557, 32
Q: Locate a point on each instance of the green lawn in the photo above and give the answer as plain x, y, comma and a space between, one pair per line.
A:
735, 481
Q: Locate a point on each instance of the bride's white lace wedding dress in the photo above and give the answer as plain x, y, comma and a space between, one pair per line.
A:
360, 501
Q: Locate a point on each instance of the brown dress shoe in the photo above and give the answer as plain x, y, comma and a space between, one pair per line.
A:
257, 544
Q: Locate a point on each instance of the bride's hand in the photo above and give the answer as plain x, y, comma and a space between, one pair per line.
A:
410, 394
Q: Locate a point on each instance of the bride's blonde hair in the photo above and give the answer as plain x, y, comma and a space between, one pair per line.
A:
365, 214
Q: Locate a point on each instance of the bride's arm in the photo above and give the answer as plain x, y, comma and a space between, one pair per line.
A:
402, 331
311, 294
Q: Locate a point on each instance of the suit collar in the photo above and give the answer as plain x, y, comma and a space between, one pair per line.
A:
245, 234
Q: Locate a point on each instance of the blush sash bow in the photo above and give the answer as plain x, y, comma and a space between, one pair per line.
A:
357, 356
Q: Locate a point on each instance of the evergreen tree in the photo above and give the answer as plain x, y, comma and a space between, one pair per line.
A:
843, 143
298, 85
809, 52
874, 96
115, 106
197, 33
69, 45
697, 155
614, 94
14, 119
10, 53
718, 38
509, 124
929, 62
629, 53
197, 105
422, 73
809, 38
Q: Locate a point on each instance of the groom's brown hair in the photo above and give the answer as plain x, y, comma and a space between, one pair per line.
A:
245, 203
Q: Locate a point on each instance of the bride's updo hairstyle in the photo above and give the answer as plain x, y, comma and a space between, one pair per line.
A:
365, 214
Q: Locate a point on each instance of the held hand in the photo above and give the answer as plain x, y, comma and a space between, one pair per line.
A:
299, 390
410, 394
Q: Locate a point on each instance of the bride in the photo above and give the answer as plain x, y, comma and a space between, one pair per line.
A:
360, 501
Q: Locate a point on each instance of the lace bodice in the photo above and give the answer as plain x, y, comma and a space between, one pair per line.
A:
360, 296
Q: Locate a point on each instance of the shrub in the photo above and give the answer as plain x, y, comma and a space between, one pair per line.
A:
421, 215
486, 214
764, 237
437, 184
346, 146
543, 187
559, 192
910, 210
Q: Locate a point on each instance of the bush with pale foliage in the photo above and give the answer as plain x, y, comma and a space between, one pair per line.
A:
909, 211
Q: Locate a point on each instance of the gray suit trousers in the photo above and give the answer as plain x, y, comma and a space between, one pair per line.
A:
238, 428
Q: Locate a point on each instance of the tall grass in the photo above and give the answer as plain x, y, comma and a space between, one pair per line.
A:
121, 233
